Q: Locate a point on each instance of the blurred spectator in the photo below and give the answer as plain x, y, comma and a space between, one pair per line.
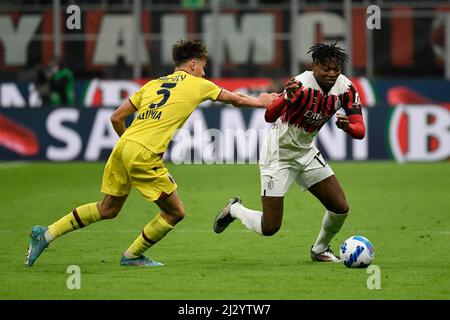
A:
119, 71
277, 84
43, 85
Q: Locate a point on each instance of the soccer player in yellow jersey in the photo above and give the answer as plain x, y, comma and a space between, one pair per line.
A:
163, 106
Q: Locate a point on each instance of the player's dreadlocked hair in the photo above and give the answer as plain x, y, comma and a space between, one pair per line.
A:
183, 51
323, 52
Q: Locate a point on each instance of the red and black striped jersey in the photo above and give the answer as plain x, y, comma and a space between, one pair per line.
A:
310, 107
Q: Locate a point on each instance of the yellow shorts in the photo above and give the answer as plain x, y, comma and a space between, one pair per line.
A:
130, 163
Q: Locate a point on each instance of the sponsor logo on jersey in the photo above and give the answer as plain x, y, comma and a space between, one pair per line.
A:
313, 115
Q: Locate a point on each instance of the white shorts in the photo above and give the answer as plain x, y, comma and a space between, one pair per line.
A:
275, 183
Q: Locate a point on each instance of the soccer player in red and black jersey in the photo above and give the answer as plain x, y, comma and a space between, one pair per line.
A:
289, 154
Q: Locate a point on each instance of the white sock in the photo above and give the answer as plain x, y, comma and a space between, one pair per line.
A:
48, 237
331, 224
251, 219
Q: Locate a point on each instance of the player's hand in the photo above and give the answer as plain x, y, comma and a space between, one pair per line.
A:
342, 121
291, 87
267, 98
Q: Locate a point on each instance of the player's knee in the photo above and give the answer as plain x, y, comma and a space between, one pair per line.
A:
180, 216
342, 208
109, 212
178, 213
270, 230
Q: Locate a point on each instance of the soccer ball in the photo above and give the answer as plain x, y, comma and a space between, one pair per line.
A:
357, 252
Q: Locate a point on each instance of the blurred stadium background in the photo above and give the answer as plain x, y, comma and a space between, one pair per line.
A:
113, 47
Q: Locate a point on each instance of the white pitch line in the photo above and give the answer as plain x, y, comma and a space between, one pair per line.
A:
228, 231
176, 230
139, 230
12, 164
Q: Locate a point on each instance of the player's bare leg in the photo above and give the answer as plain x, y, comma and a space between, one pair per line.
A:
110, 207
80, 217
265, 223
331, 195
172, 212
172, 208
272, 214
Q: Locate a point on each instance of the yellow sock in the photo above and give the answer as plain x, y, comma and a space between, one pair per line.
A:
78, 218
154, 231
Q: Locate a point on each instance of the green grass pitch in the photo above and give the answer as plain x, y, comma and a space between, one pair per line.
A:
403, 209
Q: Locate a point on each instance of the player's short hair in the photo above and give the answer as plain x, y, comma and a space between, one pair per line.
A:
183, 51
322, 53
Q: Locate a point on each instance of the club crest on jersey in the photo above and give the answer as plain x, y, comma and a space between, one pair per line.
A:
171, 178
270, 184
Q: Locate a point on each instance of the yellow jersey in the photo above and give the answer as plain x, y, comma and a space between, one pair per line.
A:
163, 105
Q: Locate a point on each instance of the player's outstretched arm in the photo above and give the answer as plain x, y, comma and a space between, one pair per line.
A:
275, 109
238, 99
120, 114
279, 105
